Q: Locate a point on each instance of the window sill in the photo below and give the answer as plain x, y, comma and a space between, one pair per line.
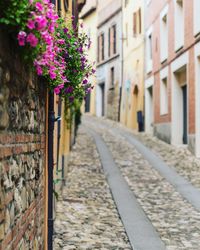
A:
178, 49
163, 61
164, 114
107, 60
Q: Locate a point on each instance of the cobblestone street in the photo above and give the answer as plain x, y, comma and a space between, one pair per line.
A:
87, 213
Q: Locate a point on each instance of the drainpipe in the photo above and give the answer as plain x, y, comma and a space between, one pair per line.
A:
145, 62
50, 170
59, 7
75, 11
122, 63
50, 167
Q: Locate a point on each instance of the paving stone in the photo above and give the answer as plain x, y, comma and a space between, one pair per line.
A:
176, 221
86, 216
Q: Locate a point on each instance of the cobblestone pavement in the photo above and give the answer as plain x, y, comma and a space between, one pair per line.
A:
176, 221
86, 214
185, 163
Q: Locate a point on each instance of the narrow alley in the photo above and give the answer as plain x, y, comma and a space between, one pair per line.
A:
99, 125
126, 190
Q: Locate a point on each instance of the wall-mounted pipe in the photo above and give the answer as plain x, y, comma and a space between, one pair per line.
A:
50, 169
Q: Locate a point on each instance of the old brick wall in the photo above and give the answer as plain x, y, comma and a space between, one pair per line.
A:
22, 152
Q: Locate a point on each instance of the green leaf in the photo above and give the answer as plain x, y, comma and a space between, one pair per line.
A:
56, 194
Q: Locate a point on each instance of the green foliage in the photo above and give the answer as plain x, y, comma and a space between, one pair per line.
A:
56, 194
78, 69
14, 13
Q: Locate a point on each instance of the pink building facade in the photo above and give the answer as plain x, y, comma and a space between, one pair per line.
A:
172, 71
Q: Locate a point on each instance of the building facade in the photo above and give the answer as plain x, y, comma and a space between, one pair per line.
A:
88, 18
109, 25
132, 108
172, 91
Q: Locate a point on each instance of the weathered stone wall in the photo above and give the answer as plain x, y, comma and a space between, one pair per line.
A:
22, 152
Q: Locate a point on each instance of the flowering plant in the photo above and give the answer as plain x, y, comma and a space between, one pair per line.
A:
56, 52
78, 69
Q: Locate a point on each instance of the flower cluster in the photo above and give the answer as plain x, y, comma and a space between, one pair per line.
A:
40, 33
57, 53
77, 69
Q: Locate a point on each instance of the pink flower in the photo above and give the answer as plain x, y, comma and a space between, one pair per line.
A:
61, 41
39, 6
51, 15
39, 70
57, 90
21, 38
47, 37
31, 24
41, 22
52, 75
32, 39
61, 86
51, 28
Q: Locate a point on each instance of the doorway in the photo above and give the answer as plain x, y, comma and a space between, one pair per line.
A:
102, 86
100, 100
179, 107
87, 102
149, 113
185, 136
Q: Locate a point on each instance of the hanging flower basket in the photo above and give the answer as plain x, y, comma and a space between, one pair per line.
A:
56, 52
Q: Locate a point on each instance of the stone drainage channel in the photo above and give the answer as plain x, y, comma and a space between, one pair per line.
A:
159, 208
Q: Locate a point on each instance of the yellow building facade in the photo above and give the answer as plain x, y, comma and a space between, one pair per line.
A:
132, 100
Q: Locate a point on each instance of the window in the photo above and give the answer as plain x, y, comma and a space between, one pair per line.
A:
126, 34
102, 47
98, 49
164, 35
163, 97
114, 40
150, 46
109, 40
149, 50
137, 26
196, 17
179, 24
148, 2
126, 2
112, 77
112, 47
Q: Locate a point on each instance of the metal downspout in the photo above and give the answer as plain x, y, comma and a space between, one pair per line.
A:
50, 167
122, 63
50, 170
